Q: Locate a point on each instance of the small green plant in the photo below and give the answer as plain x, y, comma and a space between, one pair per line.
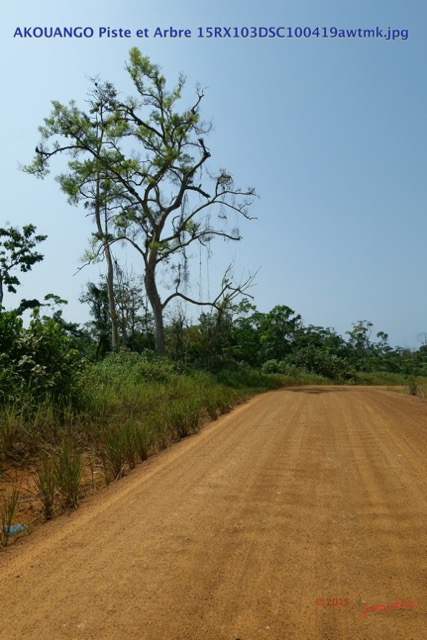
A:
46, 483
422, 390
413, 387
68, 473
7, 514
417, 387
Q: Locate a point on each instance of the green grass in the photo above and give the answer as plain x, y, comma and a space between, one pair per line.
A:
380, 378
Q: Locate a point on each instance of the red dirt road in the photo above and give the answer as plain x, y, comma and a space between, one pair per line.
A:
300, 496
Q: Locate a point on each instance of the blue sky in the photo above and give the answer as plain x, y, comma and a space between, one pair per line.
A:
330, 131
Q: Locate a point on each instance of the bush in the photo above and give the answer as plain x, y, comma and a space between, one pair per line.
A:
323, 362
37, 363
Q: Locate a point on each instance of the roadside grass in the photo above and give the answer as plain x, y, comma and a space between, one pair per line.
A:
68, 472
417, 386
380, 378
128, 407
46, 484
8, 506
412, 385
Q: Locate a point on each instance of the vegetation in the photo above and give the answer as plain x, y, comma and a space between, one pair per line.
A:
17, 252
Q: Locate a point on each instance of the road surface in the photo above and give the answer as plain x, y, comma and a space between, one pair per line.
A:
302, 515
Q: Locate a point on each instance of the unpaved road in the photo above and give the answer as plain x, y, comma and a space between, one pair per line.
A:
238, 531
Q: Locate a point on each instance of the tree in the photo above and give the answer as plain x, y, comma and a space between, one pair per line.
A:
278, 329
17, 252
134, 322
156, 186
360, 344
97, 299
247, 333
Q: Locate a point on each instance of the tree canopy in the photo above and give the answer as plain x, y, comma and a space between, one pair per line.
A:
17, 253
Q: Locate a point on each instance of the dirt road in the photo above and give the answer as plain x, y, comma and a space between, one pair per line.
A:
281, 521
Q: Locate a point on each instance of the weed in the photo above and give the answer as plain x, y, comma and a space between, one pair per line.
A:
91, 463
7, 513
46, 483
141, 441
11, 432
114, 451
413, 387
130, 444
68, 473
417, 387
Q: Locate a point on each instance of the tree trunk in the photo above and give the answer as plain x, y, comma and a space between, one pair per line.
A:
111, 299
103, 233
156, 305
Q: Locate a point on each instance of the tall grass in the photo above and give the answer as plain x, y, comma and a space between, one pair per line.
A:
7, 513
417, 387
46, 484
69, 472
129, 406
380, 378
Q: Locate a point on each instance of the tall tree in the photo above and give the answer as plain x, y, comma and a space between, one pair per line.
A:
17, 253
152, 159
278, 328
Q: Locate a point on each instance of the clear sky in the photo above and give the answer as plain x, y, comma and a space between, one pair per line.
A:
331, 131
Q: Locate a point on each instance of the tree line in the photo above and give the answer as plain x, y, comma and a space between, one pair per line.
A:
232, 335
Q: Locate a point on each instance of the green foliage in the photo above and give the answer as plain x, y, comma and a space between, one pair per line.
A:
322, 361
125, 368
134, 322
17, 252
38, 362
278, 329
